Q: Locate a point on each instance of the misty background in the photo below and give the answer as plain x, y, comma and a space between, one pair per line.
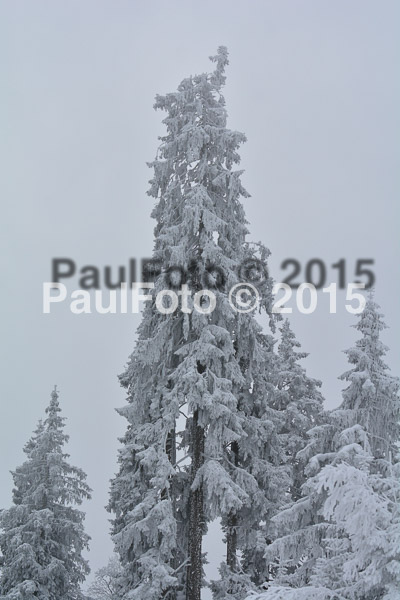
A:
315, 87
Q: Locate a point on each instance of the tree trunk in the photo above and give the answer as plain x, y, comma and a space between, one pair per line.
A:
231, 542
231, 534
195, 568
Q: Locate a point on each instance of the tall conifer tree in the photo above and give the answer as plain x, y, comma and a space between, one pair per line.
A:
190, 379
42, 535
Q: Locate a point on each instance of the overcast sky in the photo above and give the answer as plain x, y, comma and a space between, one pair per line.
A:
315, 87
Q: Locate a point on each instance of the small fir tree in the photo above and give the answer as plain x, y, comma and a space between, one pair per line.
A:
42, 535
301, 402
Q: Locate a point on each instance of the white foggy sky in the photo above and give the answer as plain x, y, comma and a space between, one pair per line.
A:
315, 87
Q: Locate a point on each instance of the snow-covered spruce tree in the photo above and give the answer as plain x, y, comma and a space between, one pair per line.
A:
361, 558
283, 405
301, 402
42, 535
372, 393
351, 550
259, 454
341, 539
179, 466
